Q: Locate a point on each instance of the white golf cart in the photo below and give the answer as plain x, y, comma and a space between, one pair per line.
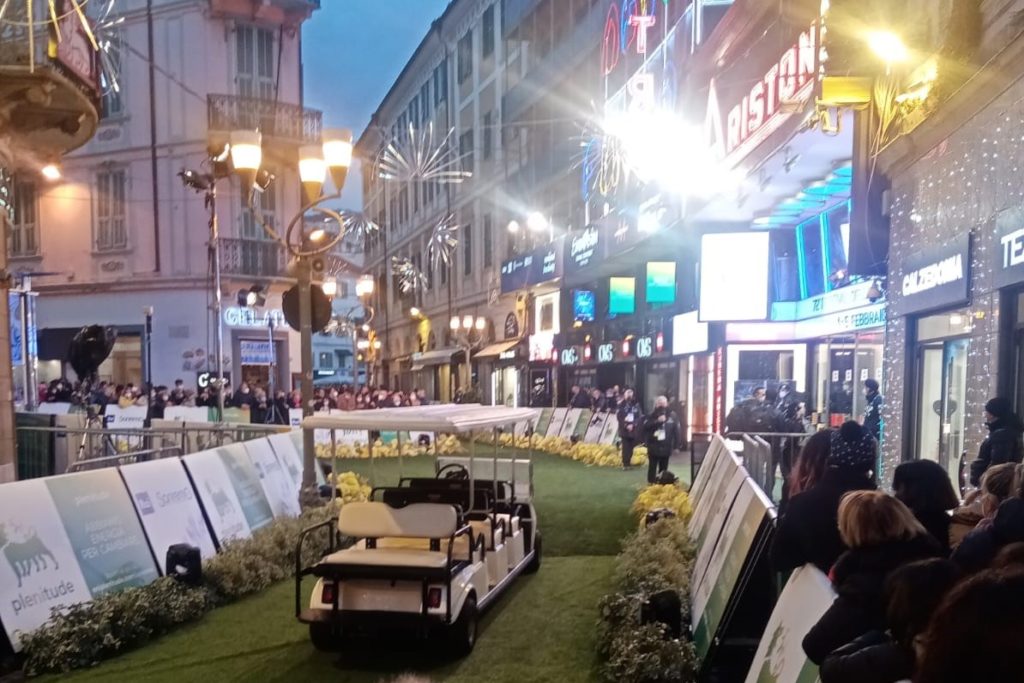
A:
429, 554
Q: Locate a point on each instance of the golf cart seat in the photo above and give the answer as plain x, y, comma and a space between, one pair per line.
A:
422, 539
402, 496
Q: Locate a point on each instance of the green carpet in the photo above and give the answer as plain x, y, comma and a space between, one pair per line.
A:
543, 629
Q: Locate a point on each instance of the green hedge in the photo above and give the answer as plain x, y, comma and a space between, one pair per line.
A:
653, 559
86, 634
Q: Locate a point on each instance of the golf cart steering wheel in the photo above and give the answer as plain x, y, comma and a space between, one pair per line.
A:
457, 471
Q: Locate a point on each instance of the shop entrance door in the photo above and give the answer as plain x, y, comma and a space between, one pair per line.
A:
942, 392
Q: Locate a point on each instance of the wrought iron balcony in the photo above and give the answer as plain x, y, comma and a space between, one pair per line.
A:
285, 123
252, 257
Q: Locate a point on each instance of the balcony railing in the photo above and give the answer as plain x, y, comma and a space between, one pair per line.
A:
288, 123
252, 257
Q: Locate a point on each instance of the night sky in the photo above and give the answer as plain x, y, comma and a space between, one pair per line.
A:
352, 53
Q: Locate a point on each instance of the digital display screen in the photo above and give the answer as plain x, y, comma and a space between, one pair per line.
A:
689, 335
734, 277
584, 305
621, 295
661, 282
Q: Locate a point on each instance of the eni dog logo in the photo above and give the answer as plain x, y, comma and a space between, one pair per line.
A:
27, 556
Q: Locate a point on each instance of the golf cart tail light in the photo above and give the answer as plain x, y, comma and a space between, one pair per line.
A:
327, 596
434, 598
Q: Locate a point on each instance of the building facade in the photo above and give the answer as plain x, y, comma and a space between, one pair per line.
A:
120, 232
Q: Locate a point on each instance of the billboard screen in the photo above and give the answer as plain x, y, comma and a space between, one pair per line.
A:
621, 296
734, 277
661, 282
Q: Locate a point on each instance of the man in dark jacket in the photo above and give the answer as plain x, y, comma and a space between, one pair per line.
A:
661, 434
1003, 443
873, 409
578, 398
630, 417
809, 531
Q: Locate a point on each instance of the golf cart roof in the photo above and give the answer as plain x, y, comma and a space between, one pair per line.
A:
436, 418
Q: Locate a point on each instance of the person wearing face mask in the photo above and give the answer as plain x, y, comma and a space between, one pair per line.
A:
629, 416
661, 434
1004, 441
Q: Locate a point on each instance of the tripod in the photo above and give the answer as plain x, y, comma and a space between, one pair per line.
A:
93, 420
273, 414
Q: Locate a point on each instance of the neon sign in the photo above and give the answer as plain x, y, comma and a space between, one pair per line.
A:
769, 103
624, 28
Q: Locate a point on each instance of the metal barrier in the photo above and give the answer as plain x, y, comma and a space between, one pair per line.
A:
763, 454
78, 446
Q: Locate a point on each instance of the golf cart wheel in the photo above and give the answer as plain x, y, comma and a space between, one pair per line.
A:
325, 637
463, 631
535, 562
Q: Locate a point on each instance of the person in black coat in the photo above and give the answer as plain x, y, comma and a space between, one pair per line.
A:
808, 531
1004, 441
913, 593
882, 534
630, 419
981, 546
661, 434
925, 488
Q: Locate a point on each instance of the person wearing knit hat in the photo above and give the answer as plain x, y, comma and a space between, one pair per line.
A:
808, 531
1004, 441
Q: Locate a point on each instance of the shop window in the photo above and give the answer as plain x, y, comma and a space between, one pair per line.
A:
941, 388
785, 273
837, 252
326, 360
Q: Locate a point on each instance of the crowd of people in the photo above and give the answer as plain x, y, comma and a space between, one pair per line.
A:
254, 399
929, 588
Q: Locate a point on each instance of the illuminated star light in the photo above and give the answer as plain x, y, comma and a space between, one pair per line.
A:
414, 157
358, 225
443, 241
410, 278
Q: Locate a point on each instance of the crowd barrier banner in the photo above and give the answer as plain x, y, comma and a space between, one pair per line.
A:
707, 466
557, 418
519, 428
568, 428
132, 417
711, 595
296, 438
246, 482
541, 428
582, 424
611, 430
187, 413
780, 655
217, 495
709, 505
295, 417
279, 488
715, 511
168, 506
594, 428
284, 448
39, 571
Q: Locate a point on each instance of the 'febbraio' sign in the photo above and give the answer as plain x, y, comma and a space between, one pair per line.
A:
936, 278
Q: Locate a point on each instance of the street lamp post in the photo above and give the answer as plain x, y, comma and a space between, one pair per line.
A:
332, 158
462, 330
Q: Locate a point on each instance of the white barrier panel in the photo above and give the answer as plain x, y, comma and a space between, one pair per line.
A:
780, 654
284, 448
295, 417
708, 504
217, 495
572, 417
712, 594
187, 413
168, 507
540, 427
611, 430
246, 482
557, 418
38, 570
519, 429
713, 520
278, 486
594, 428
707, 466
132, 417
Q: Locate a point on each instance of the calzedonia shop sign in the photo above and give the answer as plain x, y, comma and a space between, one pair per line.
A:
936, 278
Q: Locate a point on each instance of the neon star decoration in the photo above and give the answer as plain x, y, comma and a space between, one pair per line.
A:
410, 278
358, 225
415, 157
443, 240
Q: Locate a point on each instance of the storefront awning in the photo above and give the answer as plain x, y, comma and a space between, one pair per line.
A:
495, 350
429, 358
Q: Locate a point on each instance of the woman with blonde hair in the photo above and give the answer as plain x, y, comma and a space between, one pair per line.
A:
882, 535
